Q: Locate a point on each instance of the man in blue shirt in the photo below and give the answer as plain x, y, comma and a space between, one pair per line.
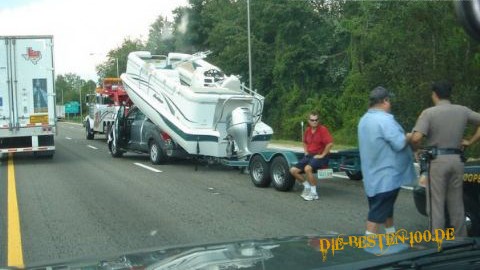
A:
386, 158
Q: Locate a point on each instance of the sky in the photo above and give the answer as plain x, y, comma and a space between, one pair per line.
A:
83, 30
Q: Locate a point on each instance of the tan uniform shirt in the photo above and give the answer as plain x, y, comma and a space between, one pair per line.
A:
444, 125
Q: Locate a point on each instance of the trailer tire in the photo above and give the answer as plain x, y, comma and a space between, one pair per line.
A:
89, 131
259, 171
157, 155
282, 179
356, 176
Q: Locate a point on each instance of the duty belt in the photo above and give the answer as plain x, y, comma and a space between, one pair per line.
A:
449, 151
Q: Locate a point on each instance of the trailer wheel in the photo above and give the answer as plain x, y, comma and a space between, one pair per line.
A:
280, 173
157, 155
114, 151
259, 171
357, 176
89, 131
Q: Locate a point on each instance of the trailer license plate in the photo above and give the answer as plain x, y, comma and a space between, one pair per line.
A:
325, 173
36, 119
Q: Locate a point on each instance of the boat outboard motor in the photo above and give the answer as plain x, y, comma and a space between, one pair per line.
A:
240, 127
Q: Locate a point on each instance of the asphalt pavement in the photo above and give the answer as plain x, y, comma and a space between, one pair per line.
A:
84, 203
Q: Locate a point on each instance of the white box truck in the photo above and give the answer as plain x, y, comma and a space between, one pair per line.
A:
60, 112
27, 95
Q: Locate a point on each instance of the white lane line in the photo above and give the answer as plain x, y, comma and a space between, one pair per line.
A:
93, 147
407, 187
340, 176
147, 167
68, 138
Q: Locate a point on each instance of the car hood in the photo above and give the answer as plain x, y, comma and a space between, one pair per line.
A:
298, 252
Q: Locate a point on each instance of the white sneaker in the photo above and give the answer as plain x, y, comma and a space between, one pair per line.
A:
310, 197
305, 192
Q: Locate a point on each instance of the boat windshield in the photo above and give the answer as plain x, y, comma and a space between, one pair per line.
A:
158, 62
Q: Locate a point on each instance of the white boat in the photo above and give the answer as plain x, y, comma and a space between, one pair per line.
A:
204, 111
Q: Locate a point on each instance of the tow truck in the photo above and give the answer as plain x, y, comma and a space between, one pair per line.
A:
103, 106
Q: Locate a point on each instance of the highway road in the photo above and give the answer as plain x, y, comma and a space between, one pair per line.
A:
85, 204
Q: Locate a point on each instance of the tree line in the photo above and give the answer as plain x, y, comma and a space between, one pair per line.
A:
325, 55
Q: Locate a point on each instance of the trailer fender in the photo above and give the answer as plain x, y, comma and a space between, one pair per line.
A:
291, 157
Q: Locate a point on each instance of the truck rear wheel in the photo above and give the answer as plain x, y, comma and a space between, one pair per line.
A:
89, 131
283, 180
259, 171
157, 155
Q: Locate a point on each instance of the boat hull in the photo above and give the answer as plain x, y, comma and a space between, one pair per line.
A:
196, 118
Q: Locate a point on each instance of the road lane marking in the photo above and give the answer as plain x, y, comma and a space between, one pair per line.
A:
15, 255
146, 167
213, 191
93, 147
68, 138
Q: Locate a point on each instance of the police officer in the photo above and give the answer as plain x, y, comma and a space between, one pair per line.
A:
443, 126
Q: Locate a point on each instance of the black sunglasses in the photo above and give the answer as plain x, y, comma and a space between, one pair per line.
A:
313, 120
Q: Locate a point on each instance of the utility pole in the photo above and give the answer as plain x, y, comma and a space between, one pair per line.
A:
80, 99
249, 48
116, 60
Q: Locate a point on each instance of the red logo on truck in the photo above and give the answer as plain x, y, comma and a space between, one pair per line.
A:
32, 55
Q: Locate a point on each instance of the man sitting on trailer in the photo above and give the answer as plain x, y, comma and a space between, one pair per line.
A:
317, 143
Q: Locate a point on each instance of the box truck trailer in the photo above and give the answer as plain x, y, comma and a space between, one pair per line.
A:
27, 95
